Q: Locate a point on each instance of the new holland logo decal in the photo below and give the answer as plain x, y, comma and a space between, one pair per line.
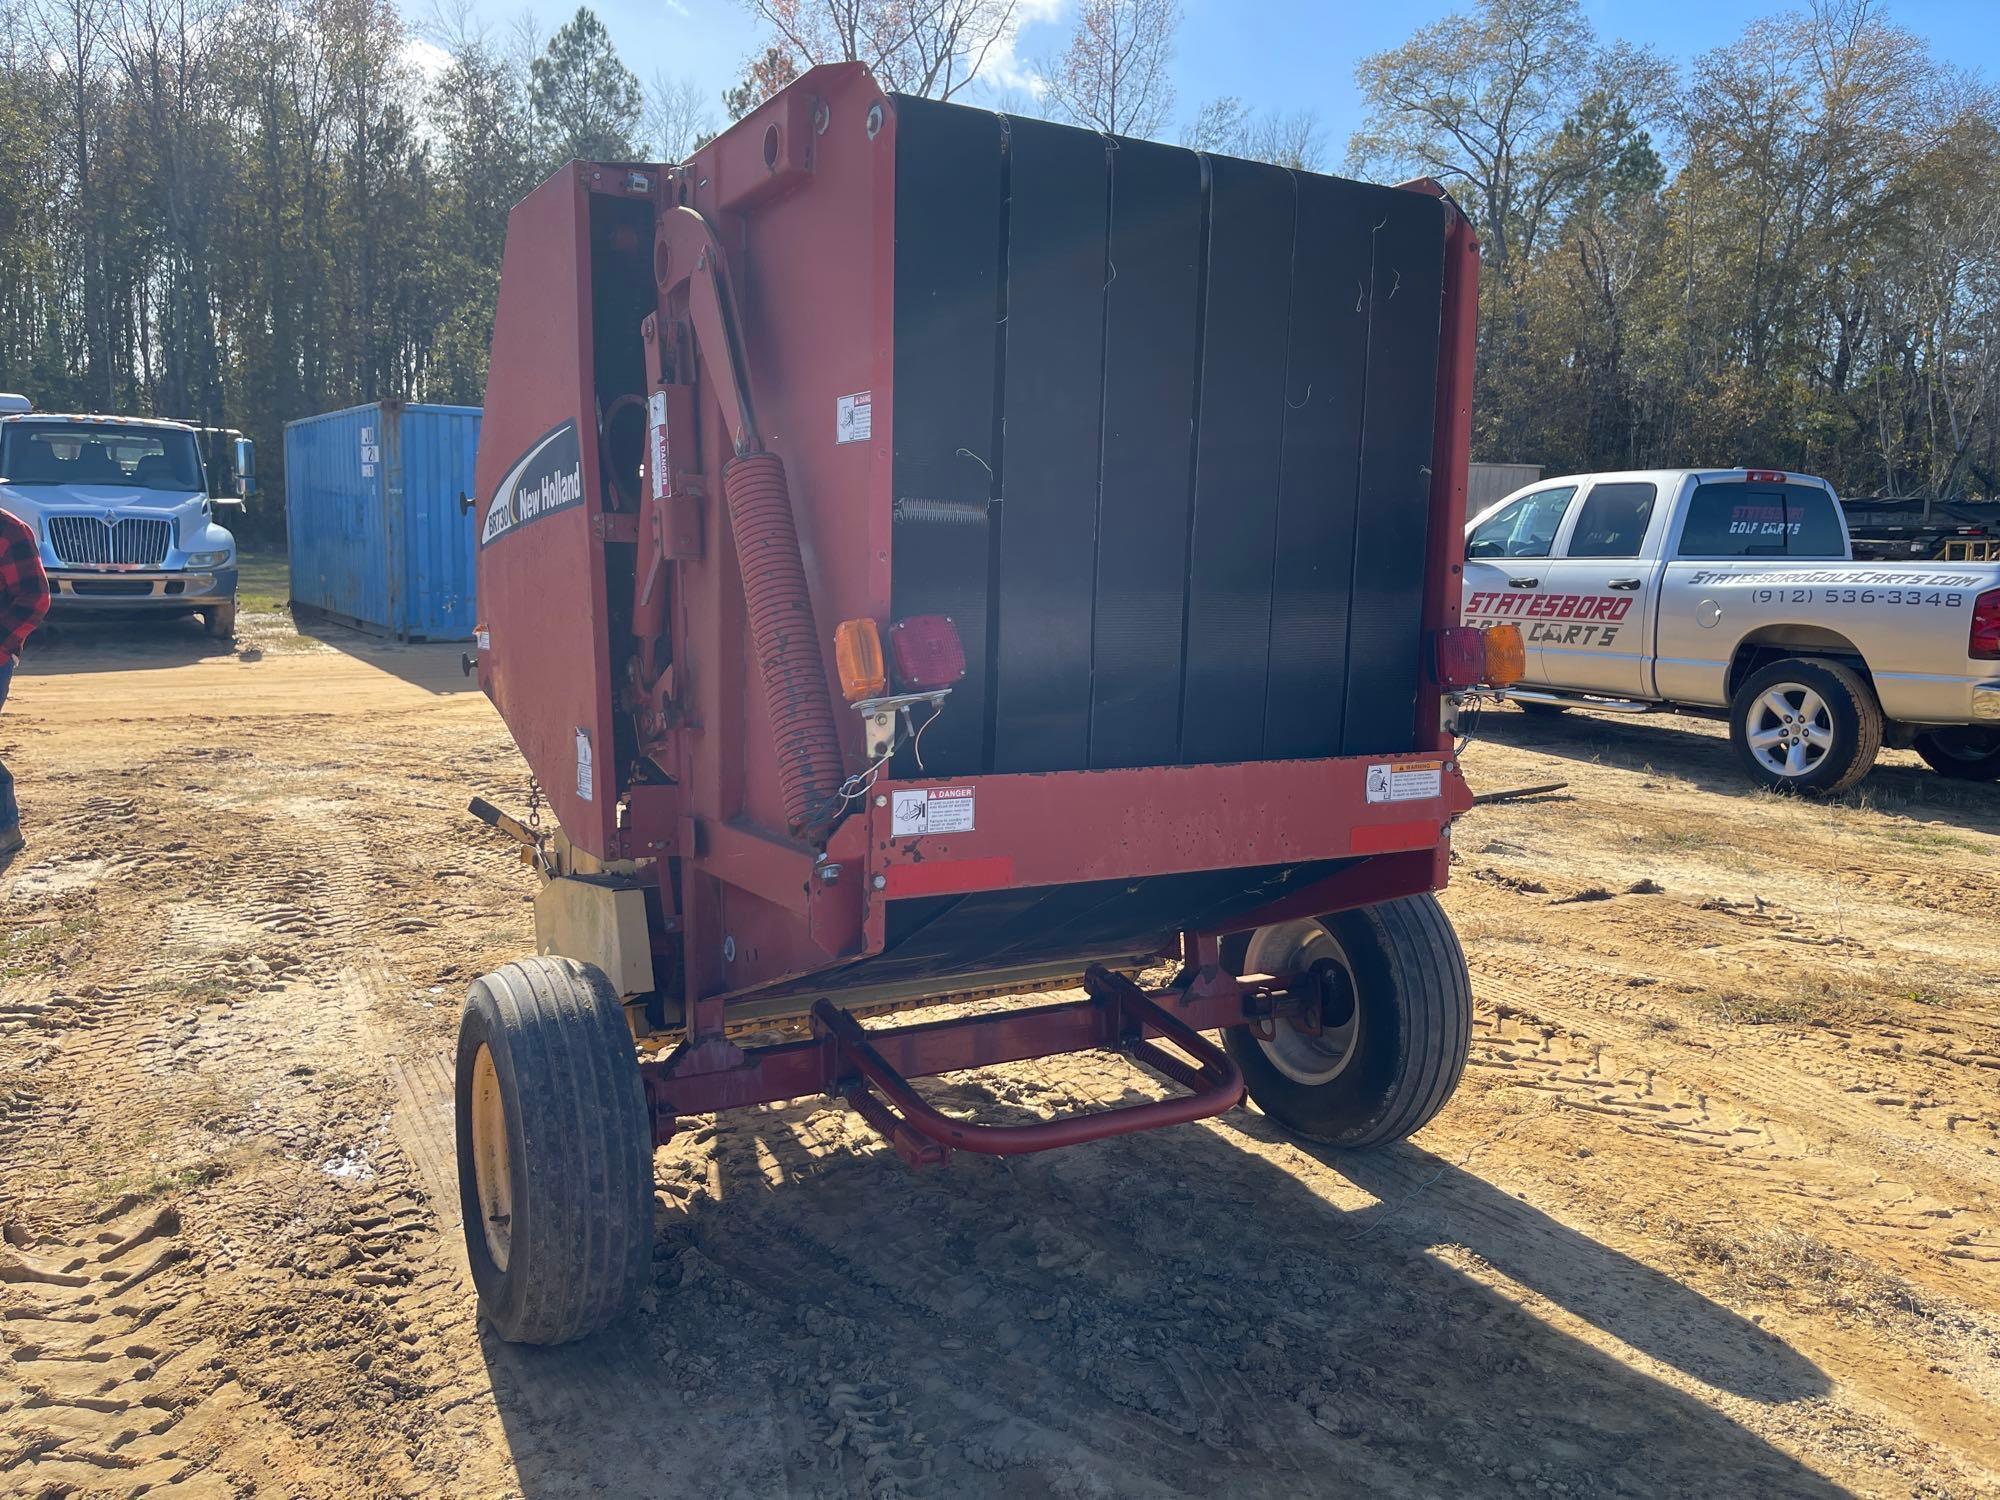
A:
545, 479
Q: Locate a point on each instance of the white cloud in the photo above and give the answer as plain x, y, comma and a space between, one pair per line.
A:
427, 59
1006, 69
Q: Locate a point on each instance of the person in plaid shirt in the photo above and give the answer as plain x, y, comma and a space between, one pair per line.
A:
24, 599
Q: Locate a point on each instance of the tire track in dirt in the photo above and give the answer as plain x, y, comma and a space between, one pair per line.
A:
92, 1398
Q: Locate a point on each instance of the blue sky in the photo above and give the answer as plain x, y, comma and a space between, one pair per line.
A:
1274, 54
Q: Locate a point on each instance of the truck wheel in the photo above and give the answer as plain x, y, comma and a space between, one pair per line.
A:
219, 621
1964, 753
1812, 727
1539, 710
555, 1151
1394, 1029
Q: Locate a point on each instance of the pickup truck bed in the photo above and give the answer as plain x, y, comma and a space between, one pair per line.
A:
1734, 590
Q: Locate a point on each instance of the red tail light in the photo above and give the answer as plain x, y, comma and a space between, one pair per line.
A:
1480, 656
1764, 476
1461, 657
1984, 642
927, 652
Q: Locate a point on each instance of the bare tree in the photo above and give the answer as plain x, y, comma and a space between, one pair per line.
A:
929, 47
71, 36
1491, 103
1113, 74
677, 120
1228, 126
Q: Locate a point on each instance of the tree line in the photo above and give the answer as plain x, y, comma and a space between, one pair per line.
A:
1784, 253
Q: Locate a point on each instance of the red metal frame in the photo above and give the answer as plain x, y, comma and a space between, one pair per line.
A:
795, 208
871, 1069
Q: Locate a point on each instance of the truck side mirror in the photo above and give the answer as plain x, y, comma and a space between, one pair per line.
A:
246, 465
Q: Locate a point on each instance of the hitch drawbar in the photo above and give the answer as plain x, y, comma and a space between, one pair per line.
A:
847, 1060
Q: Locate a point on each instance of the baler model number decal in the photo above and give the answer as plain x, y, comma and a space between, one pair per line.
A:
545, 479
1554, 619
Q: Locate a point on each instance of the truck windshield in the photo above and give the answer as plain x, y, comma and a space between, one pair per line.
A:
1762, 520
147, 458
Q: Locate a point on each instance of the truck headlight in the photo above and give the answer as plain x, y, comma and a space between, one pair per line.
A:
208, 559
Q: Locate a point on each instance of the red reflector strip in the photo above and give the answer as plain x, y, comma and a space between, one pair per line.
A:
949, 877
1387, 838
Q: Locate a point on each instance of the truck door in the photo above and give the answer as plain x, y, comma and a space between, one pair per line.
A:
1595, 629
1505, 553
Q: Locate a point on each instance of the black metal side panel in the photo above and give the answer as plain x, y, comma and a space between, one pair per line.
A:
1325, 395
935, 941
1237, 449
1151, 344
1392, 523
1057, 189
950, 217
1162, 429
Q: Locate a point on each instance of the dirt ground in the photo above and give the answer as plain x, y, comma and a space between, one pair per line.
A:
1715, 1211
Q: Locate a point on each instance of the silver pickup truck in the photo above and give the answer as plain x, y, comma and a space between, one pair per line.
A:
1734, 589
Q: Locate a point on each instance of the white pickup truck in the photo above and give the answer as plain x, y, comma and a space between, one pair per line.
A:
1734, 589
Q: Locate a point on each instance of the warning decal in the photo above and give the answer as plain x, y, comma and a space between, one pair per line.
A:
938, 809
854, 417
1412, 781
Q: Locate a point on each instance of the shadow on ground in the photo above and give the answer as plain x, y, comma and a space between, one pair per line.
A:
130, 644
1166, 1314
120, 643
1689, 749
434, 666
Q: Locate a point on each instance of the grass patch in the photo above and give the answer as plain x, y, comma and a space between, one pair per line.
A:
144, 1185
198, 988
263, 580
1805, 1271
35, 950
1808, 1005
1675, 840
1936, 840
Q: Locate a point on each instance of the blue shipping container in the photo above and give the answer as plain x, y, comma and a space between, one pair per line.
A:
378, 538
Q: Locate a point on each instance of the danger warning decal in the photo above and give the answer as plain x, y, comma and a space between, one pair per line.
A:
546, 479
1555, 619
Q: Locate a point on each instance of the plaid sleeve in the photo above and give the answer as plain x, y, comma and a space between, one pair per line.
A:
24, 587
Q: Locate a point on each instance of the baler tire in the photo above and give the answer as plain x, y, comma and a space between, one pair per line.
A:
544, 1047
1413, 1003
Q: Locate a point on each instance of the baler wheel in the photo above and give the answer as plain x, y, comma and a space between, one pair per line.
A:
555, 1151
1394, 1026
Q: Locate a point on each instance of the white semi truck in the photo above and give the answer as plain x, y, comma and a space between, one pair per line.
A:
126, 514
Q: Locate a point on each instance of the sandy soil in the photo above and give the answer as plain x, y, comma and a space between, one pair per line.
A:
1714, 1213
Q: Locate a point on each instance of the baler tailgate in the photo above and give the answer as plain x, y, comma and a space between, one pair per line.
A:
1188, 522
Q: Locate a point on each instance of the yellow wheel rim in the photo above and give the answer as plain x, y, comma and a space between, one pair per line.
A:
491, 1169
